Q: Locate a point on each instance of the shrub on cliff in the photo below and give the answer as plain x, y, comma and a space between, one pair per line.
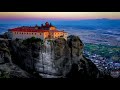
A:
32, 40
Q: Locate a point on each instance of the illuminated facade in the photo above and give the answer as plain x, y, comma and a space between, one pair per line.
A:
43, 32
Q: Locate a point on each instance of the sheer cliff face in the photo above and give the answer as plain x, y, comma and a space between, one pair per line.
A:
67, 53
70, 61
54, 59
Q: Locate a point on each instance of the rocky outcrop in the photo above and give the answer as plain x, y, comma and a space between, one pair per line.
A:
7, 68
70, 60
51, 59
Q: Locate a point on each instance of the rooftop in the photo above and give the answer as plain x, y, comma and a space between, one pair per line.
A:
36, 28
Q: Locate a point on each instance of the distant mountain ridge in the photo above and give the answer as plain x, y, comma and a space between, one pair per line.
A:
92, 24
103, 23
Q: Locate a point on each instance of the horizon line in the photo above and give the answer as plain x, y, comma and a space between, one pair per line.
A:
57, 19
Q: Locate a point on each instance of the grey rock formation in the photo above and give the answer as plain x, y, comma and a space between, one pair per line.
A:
71, 61
7, 68
51, 59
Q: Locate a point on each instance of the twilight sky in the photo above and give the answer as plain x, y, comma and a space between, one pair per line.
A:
58, 15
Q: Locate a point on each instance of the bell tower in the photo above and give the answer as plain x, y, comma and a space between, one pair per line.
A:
46, 24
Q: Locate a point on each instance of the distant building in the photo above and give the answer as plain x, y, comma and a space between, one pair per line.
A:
47, 31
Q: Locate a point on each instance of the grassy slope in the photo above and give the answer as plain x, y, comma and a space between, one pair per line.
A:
109, 52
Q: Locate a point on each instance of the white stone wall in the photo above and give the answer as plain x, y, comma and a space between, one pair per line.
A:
35, 34
29, 35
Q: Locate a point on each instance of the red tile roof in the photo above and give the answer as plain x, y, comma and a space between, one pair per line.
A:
27, 30
42, 28
32, 30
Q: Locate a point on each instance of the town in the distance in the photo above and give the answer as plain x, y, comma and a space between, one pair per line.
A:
47, 31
